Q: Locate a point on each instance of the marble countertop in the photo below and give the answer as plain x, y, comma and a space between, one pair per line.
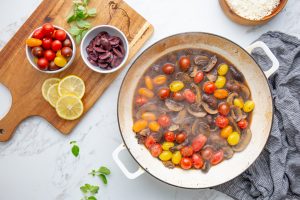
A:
37, 164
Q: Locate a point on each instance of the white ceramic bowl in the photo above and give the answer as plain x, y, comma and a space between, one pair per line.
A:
30, 57
91, 34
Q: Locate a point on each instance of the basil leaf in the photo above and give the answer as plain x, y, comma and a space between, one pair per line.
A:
80, 14
84, 188
75, 150
73, 142
104, 170
91, 198
92, 12
78, 38
94, 189
83, 33
103, 178
71, 18
83, 24
74, 30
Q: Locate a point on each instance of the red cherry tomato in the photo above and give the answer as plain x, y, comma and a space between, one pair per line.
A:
178, 96
43, 63
140, 100
149, 141
207, 153
197, 161
189, 96
243, 124
198, 142
184, 63
209, 87
48, 29
164, 121
164, 93
60, 35
38, 34
46, 43
199, 77
168, 68
217, 157
187, 151
56, 45
180, 138
224, 108
186, 163
170, 136
49, 55
156, 150
221, 121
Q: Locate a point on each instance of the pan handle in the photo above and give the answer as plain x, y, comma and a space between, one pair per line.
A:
121, 165
275, 62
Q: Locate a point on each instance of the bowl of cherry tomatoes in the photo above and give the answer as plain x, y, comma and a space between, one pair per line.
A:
50, 49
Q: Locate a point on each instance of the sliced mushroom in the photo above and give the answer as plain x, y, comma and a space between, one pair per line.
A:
210, 100
236, 74
144, 132
173, 105
244, 141
179, 146
141, 139
157, 136
234, 124
196, 114
208, 109
200, 127
201, 60
206, 166
173, 127
228, 152
231, 97
169, 164
211, 77
194, 72
237, 114
180, 117
183, 77
232, 86
211, 64
144, 108
245, 91
198, 93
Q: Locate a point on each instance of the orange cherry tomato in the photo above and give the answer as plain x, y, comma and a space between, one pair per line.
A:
187, 151
33, 42
221, 121
209, 87
146, 92
180, 138
221, 93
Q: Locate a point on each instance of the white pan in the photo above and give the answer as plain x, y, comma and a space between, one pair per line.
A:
261, 121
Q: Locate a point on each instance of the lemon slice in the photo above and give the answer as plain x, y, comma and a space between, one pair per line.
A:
52, 95
47, 84
69, 107
71, 85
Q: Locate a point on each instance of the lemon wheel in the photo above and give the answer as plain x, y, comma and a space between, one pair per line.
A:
47, 84
71, 85
69, 107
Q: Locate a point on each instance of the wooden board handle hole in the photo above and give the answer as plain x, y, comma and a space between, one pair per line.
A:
5, 101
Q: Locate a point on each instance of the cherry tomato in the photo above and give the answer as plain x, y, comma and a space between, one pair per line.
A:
43, 63
207, 153
49, 55
243, 124
197, 161
221, 121
56, 45
221, 93
164, 93
189, 96
33, 42
170, 136
53, 66
47, 43
60, 35
66, 52
186, 163
149, 141
180, 138
168, 68
48, 29
37, 52
224, 108
140, 100
60, 61
187, 151
38, 34
155, 150
154, 126
209, 87
198, 142
139, 125
177, 96
199, 77
67, 43
184, 63
217, 157
164, 121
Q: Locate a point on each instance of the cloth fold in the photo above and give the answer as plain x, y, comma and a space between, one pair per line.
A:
276, 172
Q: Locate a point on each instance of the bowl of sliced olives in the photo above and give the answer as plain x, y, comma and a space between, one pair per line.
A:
50, 49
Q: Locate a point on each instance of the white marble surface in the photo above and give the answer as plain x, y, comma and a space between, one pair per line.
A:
37, 164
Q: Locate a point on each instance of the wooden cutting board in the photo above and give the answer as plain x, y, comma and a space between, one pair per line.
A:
25, 83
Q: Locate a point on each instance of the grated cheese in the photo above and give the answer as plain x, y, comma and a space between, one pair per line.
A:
253, 9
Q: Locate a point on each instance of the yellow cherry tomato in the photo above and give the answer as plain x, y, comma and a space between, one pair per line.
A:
58, 53
239, 102
60, 61
149, 116
148, 82
154, 126
165, 155
167, 145
176, 158
248, 106
220, 82
146, 92
176, 86
139, 125
225, 132
160, 79
233, 138
223, 69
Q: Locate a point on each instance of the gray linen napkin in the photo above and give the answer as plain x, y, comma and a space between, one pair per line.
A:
276, 172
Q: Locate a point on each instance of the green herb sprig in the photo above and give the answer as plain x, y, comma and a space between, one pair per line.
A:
102, 172
79, 24
75, 148
89, 191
